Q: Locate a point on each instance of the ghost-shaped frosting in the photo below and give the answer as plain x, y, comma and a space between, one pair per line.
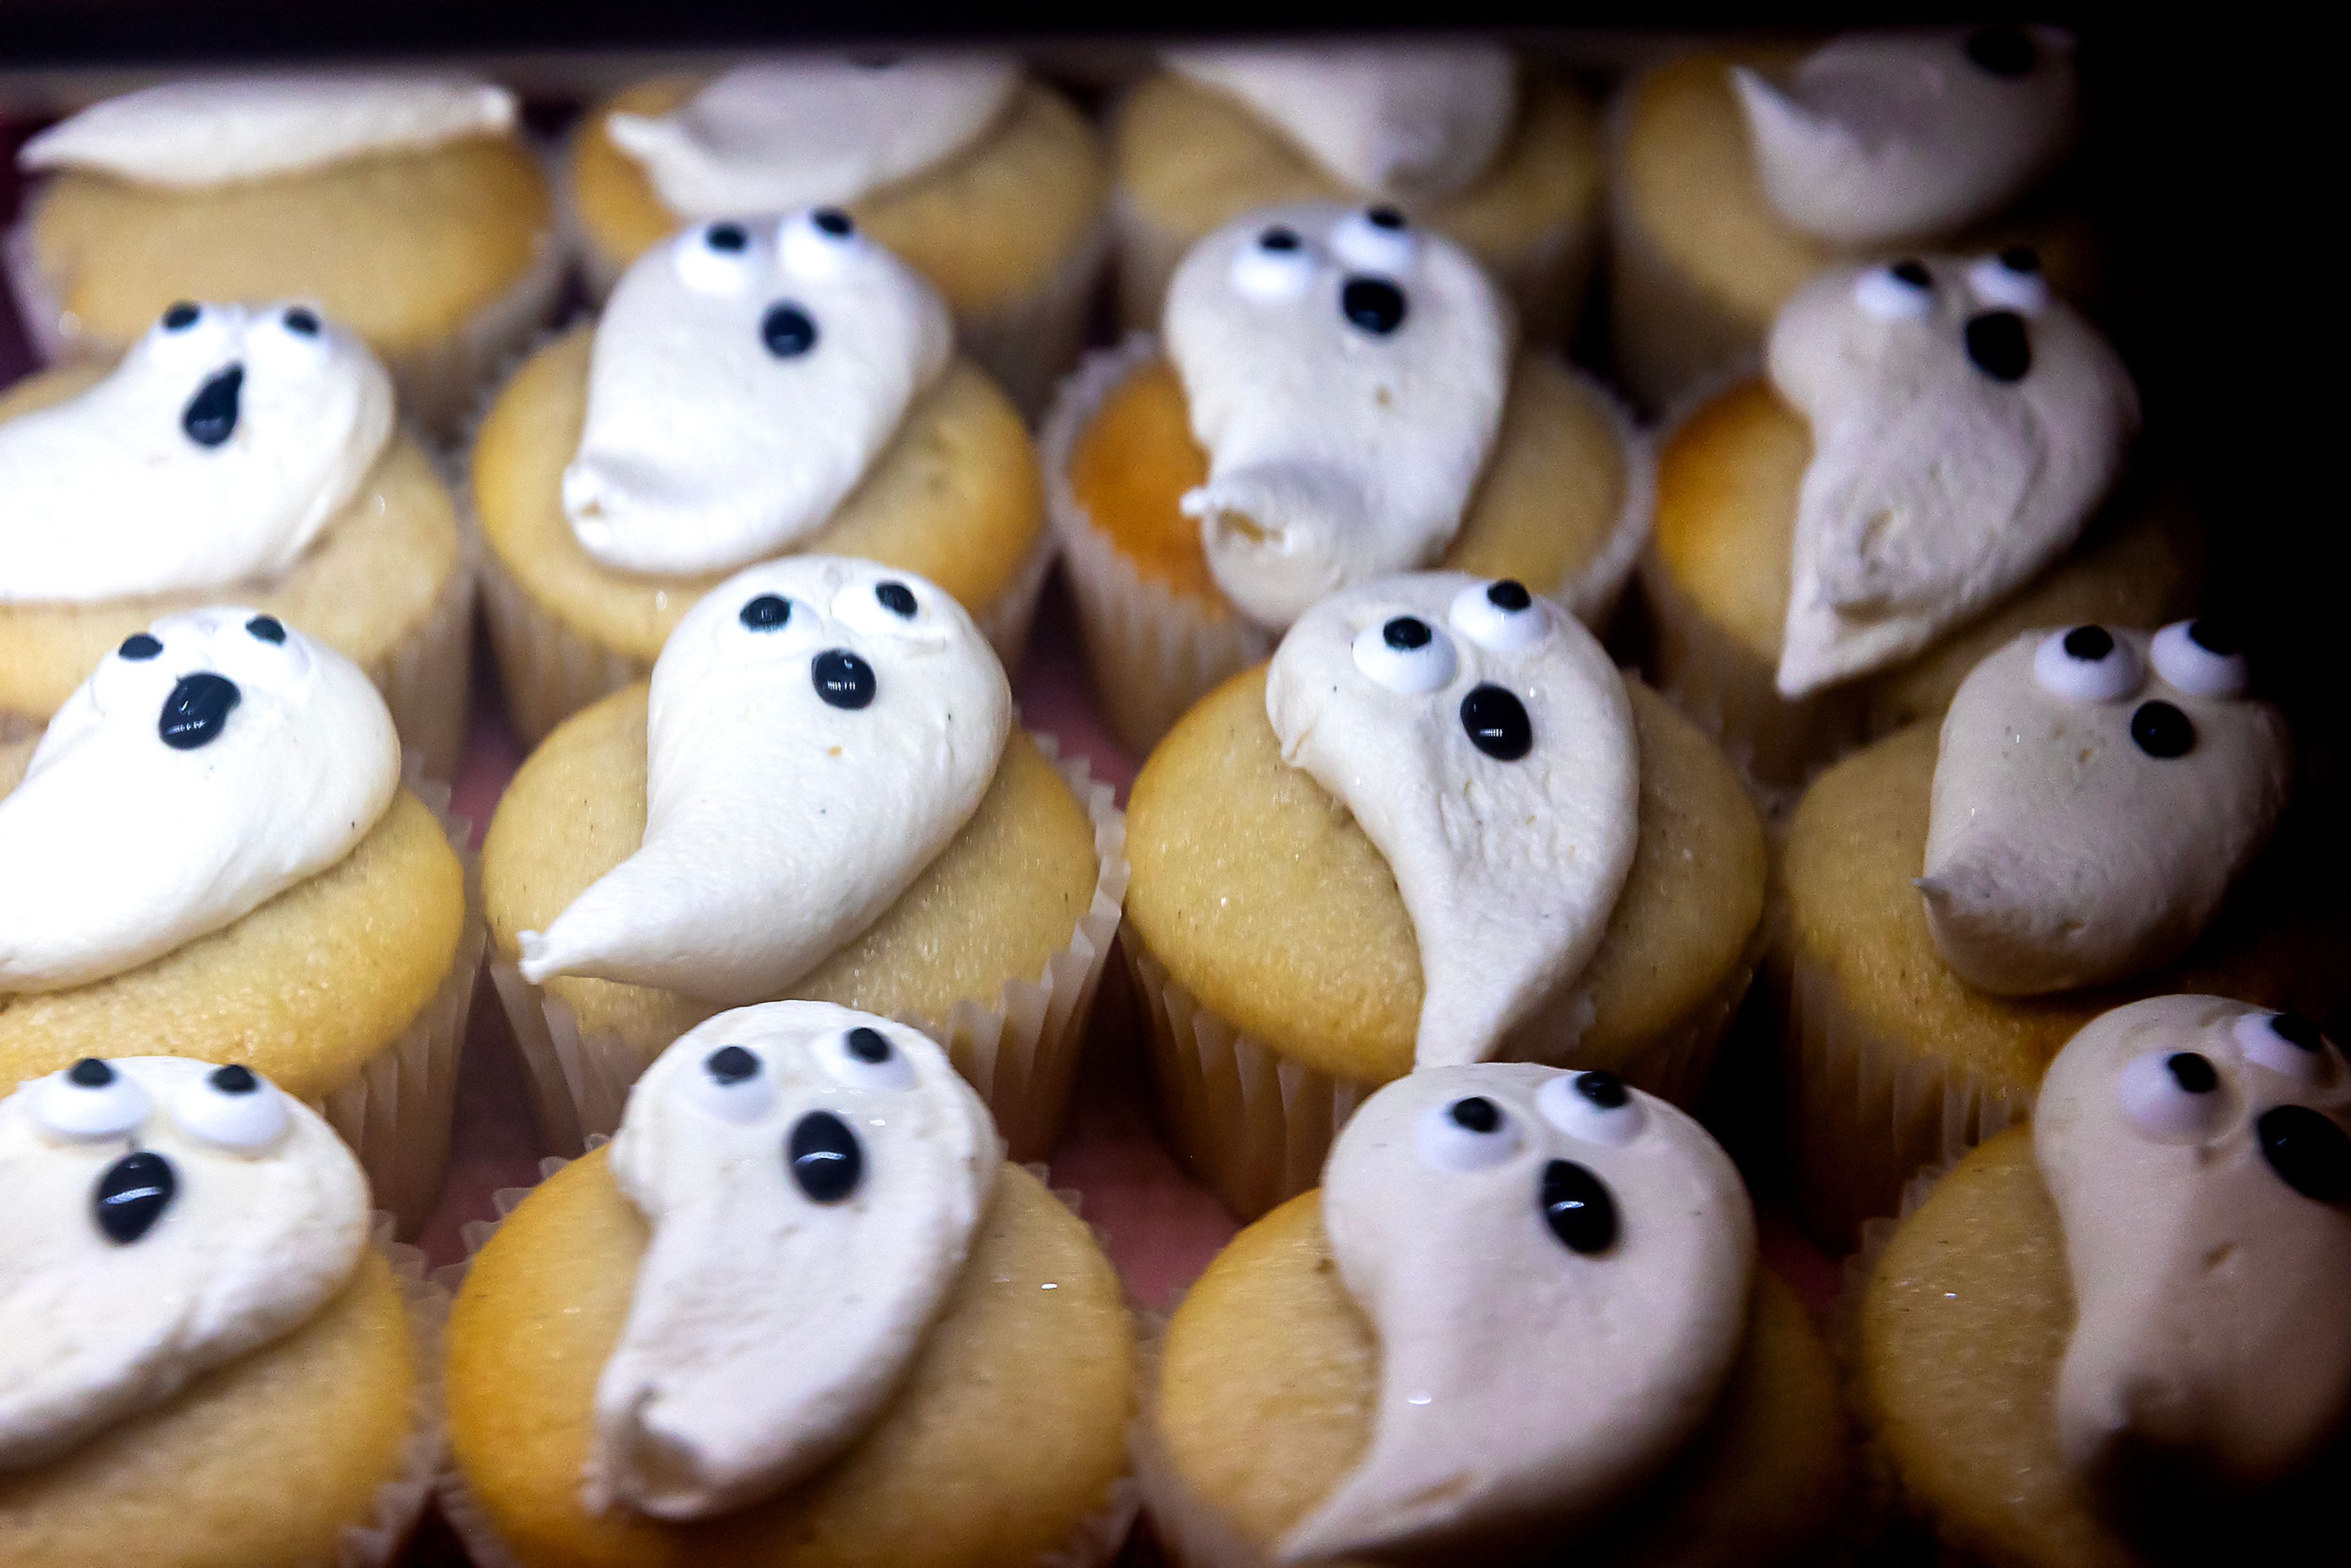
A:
813, 131
2098, 792
217, 450
819, 729
1485, 744
743, 379
1346, 374
1965, 426
206, 765
164, 1218
2197, 1151
812, 1177
212, 132
1416, 122
1557, 1268
1879, 137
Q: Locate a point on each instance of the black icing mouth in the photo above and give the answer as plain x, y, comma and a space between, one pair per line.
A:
1577, 1206
133, 1195
210, 417
197, 710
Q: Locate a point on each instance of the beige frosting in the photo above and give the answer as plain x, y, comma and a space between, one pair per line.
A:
1527, 1381
1963, 433
2061, 852
2208, 1289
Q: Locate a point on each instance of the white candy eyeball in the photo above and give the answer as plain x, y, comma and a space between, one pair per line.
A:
91, 1099
289, 340
1471, 1134
1595, 1107
1500, 617
1898, 291
1274, 267
2202, 658
1375, 239
2174, 1096
892, 606
719, 259
2010, 279
734, 1084
773, 625
2087, 663
191, 336
1407, 655
2288, 1044
862, 1057
820, 243
233, 1108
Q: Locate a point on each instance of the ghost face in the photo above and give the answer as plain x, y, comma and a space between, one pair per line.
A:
217, 450
2097, 794
819, 729
743, 378
164, 1218
1965, 425
2197, 1151
1484, 742
1557, 1268
812, 1176
208, 763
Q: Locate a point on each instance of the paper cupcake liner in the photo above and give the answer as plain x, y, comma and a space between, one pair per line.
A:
400, 1500
1020, 1053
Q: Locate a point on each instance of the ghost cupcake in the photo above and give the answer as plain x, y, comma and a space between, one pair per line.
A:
1506, 162
751, 389
820, 794
2088, 825
407, 208
987, 181
1521, 1322
790, 1317
2093, 1341
1735, 181
1337, 395
209, 852
234, 452
1438, 828
202, 1359
1934, 462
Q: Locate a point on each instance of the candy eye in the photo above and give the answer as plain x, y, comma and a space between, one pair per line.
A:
2288, 1044
1373, 305
2086, 663
2203, 657
772, 625
1276, 267
2174, 1096
890, 608
1407, 655
291, 341
191, 336
138, 647
233, 1109
2011, 280
266, 628
1898, 291
1578, 1208
1471, 1134
1500, 617
865, 1058
1377, 239
1594, 1106
818, 243
734, 1084
90, 1100
717, 259
824, 1156
181, 317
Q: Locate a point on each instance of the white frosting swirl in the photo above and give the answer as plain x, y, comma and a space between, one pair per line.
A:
1489, 754
253, 1217
210, 763
2072, 842
1411, 120
1879, 137
812, 1176
1962, 436
216, 451
771, 137
743, 377
2202, 1188
1346, 374
192, 133
819, 729
1558, 1269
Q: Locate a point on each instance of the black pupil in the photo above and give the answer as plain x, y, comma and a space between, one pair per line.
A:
1406, 632
1999, 346
2309, 1152
2216, 635
727, 237
1277, 239
2298, 1030
2020, 258
2002, 51
824, 1158
234, 1079
1577, 1207
1476, 1113
787, 330
731, 1064
767, 613
1374, 304
90, 1073
1385, 218
139, 645
181, 317
268, 628
868, 1044
197, 710
833, 221
1604, 1090
843, 679
1509, 594
896, 598
133, 1195
2192, 1072
2162, 730
301, 322
1913, 272
2089, 644
1497, 723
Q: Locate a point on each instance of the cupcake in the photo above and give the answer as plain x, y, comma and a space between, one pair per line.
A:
791, 1317
407, 208
2093, 1342
1438, 828
821, 794
1341, 395
1934, 463
2088, 825
1733, 182
203, 1358
1521, 1322
988, 184
209, 851
232, 452
1508, 163
751, 389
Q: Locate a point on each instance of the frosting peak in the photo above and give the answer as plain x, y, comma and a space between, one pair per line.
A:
217, 450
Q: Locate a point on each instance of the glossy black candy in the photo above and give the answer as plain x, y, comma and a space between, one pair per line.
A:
197, 710
1603, 1088
133, 1195
896, 598
843, 679
1475, 1113
267, 628
787, 330
140, 645
2308, 1151
730, 1064
1374, 304
1497, 723
869, 1045
766, 612
1578, 1208
2162, 730
826, 1160
210, 417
